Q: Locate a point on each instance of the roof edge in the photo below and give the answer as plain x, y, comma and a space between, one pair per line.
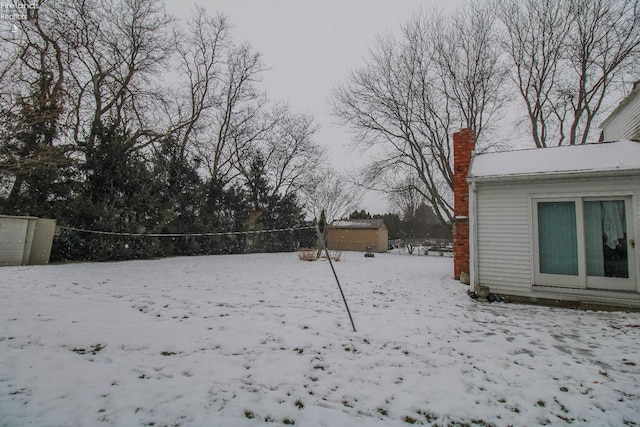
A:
545, 176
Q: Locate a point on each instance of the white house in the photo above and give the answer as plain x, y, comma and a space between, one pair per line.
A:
624, 121
556, 224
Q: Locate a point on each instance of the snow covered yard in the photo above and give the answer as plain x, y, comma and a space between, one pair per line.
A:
247, 340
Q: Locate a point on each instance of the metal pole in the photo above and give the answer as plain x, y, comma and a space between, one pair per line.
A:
324, 246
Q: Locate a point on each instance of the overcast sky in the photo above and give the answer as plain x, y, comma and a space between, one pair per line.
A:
309, 46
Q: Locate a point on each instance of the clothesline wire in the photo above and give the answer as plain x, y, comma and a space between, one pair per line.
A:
221, 233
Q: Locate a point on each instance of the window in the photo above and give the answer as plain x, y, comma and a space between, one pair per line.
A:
583, 242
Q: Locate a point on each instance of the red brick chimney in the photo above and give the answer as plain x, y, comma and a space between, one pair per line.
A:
463, 144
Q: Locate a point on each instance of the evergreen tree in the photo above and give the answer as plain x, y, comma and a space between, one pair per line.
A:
226, 209
322, 222
118, 195
30, 155
393, 223
362, 214
271, 211
181, 189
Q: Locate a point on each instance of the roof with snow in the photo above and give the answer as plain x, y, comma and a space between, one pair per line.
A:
619, 156
358, 223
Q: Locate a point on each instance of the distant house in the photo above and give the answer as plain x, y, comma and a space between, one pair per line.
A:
555, 224
624, 121
357, 234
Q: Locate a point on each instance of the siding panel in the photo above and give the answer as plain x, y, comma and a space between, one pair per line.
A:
626, 122
503, 237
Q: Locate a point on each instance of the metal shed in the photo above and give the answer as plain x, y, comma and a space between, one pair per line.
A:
25, 240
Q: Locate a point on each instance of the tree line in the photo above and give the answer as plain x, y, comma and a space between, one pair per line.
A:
416, 226
117, 117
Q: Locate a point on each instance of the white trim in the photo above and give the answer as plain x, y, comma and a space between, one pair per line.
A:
532, 244
591, 295
473, 237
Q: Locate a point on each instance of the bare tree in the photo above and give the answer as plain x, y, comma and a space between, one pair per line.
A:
218, 115
202, 52
31, 76
289, 152
567, 57
333, 193
114, 49
235, 122
414, 92
405, 197
605, 47
467, 55
225, 121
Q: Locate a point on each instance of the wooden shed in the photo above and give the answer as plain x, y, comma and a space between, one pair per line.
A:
557, 224
357, 234
25, 240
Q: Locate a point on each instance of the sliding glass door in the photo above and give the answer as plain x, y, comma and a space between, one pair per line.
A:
585, 243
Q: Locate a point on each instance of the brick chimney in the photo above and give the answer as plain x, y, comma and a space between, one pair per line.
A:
463, 145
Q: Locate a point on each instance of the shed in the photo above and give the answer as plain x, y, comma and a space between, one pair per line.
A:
25, 240
557, 224
357, 234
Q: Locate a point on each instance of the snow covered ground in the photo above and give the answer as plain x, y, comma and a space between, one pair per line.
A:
248, 340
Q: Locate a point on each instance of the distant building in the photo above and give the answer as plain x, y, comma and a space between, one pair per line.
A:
550, 224
25, 240
357, 234
624, 121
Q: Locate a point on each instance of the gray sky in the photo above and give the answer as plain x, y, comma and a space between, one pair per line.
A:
309, 46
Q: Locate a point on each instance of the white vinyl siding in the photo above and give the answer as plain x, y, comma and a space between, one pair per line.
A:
504, 230
624, 123
503, 237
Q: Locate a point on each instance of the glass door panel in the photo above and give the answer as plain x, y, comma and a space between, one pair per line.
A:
557, 239
606, 244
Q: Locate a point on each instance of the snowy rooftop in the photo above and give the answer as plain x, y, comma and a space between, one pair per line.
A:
569, 159
358, 223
